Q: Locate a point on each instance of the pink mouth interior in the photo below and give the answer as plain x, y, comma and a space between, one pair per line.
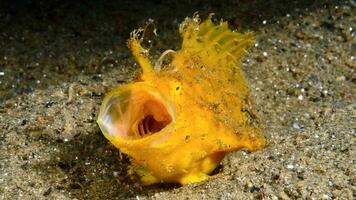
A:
151, 118
134, 115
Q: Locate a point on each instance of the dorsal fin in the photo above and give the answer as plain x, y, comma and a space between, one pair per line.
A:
218, 39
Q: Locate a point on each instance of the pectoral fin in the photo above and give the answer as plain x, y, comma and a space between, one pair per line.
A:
146, 177
248, 137
193, 178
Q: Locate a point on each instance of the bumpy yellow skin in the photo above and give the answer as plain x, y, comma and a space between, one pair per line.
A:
204, 91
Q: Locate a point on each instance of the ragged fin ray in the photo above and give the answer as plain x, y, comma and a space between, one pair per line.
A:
217, 40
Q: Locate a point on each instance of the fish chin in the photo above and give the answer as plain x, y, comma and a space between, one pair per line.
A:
134, 112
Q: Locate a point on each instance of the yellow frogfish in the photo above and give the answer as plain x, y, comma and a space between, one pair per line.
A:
177, 121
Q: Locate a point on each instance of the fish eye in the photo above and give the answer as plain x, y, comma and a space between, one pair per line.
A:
177, 85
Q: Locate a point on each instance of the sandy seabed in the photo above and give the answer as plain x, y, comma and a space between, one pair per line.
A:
58, 59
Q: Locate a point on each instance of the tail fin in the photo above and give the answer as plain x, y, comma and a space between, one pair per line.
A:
218, 39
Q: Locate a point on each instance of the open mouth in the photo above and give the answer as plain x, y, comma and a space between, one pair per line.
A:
134, 113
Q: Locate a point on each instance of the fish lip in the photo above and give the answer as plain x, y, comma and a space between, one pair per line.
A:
124, 134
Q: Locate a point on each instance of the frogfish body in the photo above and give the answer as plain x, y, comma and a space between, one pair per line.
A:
177, 121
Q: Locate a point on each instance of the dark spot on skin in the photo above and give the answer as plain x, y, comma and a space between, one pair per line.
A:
187, 137
177, 88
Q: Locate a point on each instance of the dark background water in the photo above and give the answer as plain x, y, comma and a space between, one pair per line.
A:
45, 43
